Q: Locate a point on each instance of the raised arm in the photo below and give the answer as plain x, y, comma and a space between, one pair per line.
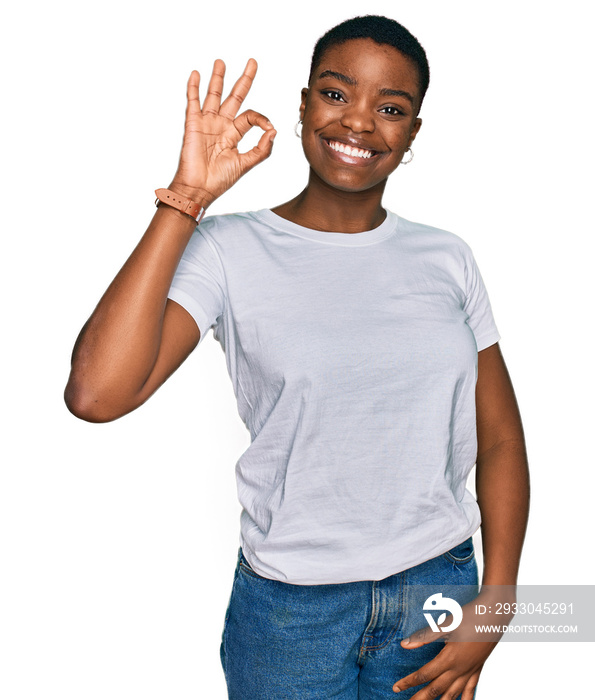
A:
136, 337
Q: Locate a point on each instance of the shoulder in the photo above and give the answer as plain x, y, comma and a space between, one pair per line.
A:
428, 236
441, 249
227, 231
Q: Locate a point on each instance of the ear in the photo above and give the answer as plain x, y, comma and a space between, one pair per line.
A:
303, 104
416, 127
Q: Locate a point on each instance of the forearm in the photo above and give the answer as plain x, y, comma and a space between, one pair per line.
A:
502, 485
118, 346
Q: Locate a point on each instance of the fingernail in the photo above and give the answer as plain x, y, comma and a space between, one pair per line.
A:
406, 641
396, 689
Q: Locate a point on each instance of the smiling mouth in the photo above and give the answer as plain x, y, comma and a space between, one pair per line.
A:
351, 151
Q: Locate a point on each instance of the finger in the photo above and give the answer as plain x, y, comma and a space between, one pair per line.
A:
442, 687
263, 148
260, 152
215, 89
248, 119
427, 673
443, 690
469, 691
231, 105
421, 637
193, 100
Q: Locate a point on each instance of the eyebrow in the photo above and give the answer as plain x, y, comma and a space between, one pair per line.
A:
396, 93
353, 82
338, 76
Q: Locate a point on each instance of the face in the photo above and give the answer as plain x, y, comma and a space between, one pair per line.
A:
359, 114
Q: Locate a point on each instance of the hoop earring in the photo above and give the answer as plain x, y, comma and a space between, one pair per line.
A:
298, 129
405, 162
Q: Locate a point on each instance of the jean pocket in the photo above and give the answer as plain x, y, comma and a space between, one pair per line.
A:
462, 553
247, 569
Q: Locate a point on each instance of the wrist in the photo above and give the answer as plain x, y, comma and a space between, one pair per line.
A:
196, 194
180, 202
499, 573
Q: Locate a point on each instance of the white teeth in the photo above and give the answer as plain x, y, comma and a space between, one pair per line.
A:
348, 150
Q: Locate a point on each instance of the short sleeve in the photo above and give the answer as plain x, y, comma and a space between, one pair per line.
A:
199, 282
478, 307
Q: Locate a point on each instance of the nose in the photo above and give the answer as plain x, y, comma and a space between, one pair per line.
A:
358, 117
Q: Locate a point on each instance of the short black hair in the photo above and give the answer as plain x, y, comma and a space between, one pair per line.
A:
382, 30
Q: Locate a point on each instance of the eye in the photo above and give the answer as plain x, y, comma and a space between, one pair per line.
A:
392, 111
333, 95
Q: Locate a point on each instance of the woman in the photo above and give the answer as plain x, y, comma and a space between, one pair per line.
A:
366, 365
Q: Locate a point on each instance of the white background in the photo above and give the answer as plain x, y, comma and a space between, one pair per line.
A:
118, 541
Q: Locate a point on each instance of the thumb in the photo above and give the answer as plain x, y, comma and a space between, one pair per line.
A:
260, 152
421, 637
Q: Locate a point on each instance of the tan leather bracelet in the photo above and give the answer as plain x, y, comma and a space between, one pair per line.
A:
186, 206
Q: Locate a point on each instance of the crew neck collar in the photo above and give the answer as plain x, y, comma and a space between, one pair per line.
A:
387, 228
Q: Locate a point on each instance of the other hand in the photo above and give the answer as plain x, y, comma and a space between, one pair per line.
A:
455, 670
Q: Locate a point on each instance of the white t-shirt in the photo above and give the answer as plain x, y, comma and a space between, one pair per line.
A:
353, 358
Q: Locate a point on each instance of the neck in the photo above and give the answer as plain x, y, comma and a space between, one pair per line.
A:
324, 208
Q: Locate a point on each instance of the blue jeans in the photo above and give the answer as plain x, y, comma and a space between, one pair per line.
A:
337, 641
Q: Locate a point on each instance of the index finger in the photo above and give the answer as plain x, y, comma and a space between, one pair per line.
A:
236, 97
